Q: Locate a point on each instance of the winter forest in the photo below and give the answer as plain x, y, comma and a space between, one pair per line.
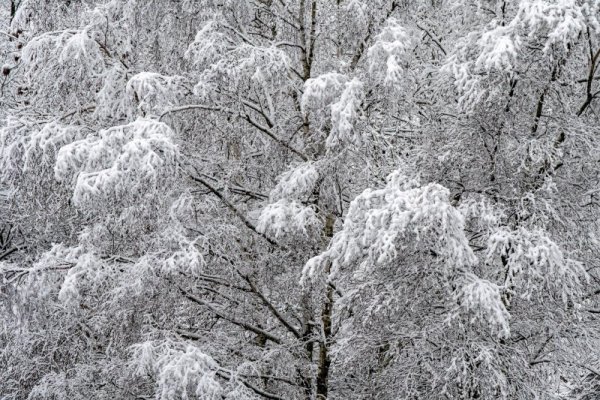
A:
299, 199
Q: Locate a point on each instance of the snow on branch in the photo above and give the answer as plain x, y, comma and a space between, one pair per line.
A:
382, 222
535, 263
560, 21
297, 183
385, 228
389, 50
28, 149
149, 90
482, 300
288, 218
231, 61
498, 49
321, 91
181, 371
72, 47
490, 55
120, 161
345, 113
209, 45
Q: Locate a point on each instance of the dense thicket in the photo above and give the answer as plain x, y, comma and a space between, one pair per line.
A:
299, 199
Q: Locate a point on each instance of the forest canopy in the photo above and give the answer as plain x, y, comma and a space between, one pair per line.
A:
299, 199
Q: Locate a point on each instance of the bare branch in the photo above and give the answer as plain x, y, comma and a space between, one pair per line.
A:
226, 317
229, 205
272, 308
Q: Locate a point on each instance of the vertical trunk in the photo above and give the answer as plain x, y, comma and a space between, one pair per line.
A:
308, 37
307, 333
324, 362
324, 359
13, 9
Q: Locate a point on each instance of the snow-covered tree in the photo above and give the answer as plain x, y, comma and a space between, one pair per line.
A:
299, 199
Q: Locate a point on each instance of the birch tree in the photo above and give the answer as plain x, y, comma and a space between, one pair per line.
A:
299, 199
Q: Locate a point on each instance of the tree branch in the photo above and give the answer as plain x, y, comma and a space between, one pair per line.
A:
434, 40
228, 318
245, 116
271, 307
254, 388
248, 224
8, 253
270, 134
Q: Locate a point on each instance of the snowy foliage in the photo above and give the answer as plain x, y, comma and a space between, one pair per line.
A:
532, 257
345, 114
72, 54
381, 223
390, 48
181, 373
150, 90
297, 183
498, 50
561, 21
120, 162
208, 46
299, 199
37, 150
482, 298
287, 218
321, 91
